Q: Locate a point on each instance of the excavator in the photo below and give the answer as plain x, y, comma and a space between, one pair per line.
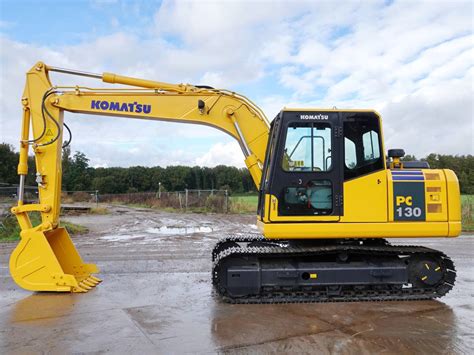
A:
330, 198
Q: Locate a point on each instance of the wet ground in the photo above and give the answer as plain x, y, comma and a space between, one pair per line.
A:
157, 298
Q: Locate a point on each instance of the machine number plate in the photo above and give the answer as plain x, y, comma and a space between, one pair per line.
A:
409, 201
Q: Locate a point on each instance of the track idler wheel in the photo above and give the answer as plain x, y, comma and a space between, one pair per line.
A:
426, 272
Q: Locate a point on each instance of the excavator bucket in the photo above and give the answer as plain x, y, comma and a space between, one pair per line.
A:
49, 261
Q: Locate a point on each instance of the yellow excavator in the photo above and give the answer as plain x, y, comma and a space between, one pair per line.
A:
329, 196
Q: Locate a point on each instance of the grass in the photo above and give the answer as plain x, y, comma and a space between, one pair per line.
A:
99, 210
10, 230
243, 203
467, 210
73, 228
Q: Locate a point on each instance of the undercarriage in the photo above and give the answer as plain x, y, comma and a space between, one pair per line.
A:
251, 269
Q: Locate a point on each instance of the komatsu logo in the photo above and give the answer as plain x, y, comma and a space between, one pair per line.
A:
120, 106
314, 117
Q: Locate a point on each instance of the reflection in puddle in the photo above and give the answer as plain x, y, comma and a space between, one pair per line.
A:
120, 237
164, 230
46, 307
161, 231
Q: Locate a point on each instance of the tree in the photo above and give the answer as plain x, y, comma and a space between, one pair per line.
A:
105, 185
8, 164
228, 177
76, 172
408, 157
177, 178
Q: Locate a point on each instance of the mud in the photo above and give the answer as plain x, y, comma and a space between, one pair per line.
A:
157, 298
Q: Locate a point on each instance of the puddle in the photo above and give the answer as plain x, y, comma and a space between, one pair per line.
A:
164, 230
157, 231
121, 237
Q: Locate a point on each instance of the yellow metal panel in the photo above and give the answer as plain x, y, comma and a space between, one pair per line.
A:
266, 208
455, 229
390, 197
354, 230
435, 195
365, 198
453, 203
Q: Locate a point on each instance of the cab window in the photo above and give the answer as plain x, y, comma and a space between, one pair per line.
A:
307, 147
313, 199
370, 142
362, 146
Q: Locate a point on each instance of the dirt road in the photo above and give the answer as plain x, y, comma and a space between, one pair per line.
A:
157, 298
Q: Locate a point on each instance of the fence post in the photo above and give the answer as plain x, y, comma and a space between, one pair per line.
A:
179, 199
226, 202
97, 198
186, 199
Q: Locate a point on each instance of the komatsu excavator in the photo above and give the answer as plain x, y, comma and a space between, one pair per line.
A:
329, 198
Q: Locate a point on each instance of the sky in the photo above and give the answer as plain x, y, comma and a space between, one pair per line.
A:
412, 61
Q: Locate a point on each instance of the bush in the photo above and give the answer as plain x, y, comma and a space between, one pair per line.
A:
81, 196
216, 203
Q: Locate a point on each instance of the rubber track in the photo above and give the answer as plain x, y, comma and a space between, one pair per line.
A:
306, 295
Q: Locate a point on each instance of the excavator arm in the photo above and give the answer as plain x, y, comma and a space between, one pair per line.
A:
46, 259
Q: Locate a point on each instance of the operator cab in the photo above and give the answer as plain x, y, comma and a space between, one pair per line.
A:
309, 156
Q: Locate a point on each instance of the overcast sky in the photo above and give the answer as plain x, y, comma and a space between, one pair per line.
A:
411, 61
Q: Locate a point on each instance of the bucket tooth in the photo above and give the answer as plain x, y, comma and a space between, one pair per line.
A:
92, 281
79, 289
85, 286
96, 279
88, 283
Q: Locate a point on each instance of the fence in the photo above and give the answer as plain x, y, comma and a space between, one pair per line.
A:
80, 196
202, 200
193, 200
10, 193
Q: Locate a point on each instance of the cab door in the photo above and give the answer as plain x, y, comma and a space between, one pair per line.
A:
307, 173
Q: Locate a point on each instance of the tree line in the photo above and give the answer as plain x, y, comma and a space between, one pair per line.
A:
79, 176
